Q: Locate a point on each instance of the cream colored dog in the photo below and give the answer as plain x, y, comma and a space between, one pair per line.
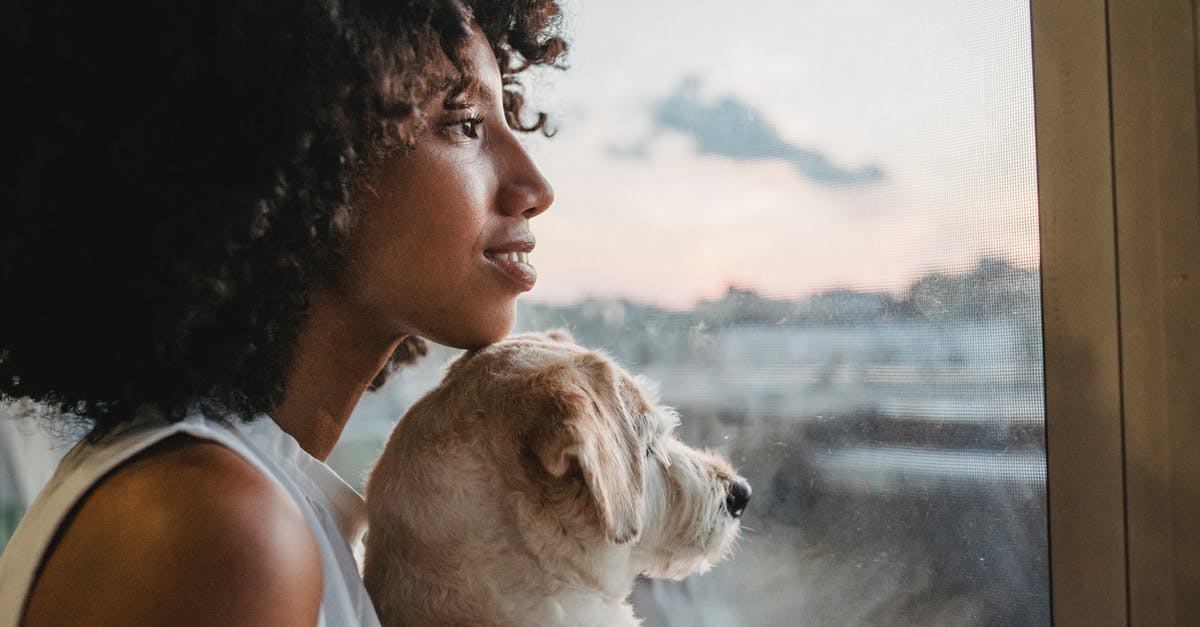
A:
532, 487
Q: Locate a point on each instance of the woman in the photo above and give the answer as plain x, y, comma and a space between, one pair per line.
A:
223, 223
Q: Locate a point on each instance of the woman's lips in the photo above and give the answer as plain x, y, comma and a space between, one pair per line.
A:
515, 267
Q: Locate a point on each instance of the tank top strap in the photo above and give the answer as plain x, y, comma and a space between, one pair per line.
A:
333, 510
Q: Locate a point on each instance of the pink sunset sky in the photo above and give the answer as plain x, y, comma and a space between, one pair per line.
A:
669, 200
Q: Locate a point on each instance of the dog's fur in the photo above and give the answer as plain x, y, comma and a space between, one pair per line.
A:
532, 487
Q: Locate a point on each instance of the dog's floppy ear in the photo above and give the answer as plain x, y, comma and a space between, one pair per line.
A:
595, 434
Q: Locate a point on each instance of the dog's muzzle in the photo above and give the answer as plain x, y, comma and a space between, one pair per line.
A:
736, 497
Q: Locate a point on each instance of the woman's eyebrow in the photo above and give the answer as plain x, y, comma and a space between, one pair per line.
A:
482, 92
477, 93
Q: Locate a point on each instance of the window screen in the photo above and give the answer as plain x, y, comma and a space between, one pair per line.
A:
815, 225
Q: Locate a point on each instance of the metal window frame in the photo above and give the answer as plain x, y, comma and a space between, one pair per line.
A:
1115, 90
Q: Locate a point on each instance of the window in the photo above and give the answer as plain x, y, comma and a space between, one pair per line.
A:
815, 225
28, 455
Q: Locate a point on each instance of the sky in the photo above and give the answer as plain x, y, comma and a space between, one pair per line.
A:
788, 146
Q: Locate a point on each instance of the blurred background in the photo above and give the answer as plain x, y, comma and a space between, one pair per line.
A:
815, 225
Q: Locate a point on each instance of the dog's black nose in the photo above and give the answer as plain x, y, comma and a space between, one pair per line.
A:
737, 497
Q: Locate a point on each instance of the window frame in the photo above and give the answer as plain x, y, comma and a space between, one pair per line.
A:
1115, 93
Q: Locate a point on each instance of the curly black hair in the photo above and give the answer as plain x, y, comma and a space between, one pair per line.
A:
177, 179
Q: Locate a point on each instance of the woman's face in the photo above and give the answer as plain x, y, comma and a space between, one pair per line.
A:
441, 247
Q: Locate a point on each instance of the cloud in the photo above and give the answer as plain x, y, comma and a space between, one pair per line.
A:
732, 128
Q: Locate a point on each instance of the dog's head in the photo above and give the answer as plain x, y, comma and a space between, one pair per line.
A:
595, 457
537, 464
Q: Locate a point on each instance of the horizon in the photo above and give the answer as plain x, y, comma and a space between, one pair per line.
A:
531, 299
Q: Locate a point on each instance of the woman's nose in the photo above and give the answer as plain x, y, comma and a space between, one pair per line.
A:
523, 189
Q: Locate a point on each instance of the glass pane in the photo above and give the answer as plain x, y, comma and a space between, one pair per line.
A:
29, 452
815, 225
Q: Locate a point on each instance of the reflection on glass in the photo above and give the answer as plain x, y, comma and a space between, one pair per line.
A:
815, 225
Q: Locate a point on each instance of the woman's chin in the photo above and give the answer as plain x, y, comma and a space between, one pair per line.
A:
475, 331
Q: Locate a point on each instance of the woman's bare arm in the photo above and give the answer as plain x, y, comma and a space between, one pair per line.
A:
188, 533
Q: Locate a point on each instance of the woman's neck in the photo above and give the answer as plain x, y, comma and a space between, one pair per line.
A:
335, 359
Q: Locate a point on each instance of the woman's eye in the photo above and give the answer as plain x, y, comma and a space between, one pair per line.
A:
466, 127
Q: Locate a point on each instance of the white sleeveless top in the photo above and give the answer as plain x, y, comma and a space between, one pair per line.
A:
334, 511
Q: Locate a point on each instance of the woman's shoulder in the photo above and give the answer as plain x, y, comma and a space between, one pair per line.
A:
186, 531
